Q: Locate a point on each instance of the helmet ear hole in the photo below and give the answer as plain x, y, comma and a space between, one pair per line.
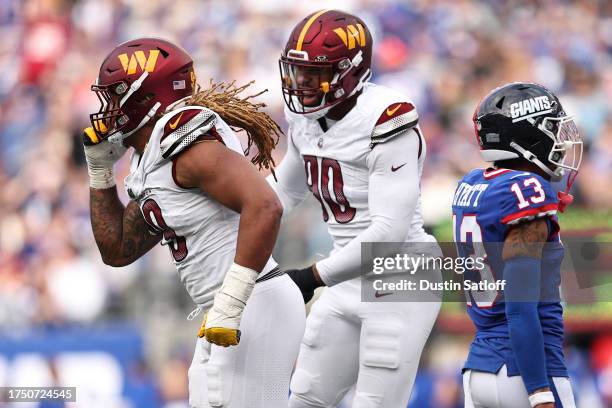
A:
145, 98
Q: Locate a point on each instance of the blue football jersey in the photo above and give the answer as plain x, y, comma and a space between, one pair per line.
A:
485, 205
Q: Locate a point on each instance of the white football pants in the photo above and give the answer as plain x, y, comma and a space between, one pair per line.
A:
256, 372
376, 345
488, 390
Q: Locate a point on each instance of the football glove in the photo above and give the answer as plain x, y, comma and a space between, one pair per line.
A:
221, 323
306, 281
101, 157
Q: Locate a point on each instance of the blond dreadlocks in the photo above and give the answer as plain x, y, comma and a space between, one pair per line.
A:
240, 113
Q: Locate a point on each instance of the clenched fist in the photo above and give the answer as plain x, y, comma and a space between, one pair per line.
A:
221, 323
101, 156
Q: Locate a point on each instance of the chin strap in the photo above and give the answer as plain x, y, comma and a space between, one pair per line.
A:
527, 155
133, 88
119, 137
565, 198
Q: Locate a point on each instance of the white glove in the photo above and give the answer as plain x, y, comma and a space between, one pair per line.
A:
101, 157
222, 321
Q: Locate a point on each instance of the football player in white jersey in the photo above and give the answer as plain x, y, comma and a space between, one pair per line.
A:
357, 147
192, 189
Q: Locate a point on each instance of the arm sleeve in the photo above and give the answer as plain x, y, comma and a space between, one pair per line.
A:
291, 187
522, 275
392, 199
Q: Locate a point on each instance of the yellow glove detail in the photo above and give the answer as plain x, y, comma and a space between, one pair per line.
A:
90, 134
219, 335
222, 336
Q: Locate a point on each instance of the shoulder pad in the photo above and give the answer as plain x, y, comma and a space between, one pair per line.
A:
395, 120
183, 128
521, 196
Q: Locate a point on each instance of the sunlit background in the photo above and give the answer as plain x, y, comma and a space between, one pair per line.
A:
121, 335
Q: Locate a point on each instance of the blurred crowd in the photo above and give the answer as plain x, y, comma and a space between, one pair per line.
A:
444, 54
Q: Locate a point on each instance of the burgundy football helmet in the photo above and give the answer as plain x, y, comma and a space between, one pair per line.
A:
137, 81
326, 60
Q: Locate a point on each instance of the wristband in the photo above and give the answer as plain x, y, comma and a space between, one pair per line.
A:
239, 282
101, 178
231, 299
541, 398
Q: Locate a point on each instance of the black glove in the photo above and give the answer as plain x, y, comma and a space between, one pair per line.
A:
306, 281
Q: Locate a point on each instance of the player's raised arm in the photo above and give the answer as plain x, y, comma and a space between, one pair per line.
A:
233, 181
121, 233
522, 254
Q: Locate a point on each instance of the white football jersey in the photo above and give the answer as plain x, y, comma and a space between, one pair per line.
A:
335, 160
200, 232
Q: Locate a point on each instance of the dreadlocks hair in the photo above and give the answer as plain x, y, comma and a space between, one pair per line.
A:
240, 113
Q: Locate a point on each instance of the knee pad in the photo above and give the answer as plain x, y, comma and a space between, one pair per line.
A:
301, 382
367, 400
312, 333
302, 395
381, 345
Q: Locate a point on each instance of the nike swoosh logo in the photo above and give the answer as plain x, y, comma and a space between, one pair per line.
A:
394, 169
175, 123
392, 111
378, 294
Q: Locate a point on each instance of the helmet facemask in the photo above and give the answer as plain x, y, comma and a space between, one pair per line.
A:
306, 86
310, 87
110, 121
566, 152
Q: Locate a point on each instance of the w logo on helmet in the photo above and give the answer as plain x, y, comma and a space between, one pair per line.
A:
352, 36
130, 63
